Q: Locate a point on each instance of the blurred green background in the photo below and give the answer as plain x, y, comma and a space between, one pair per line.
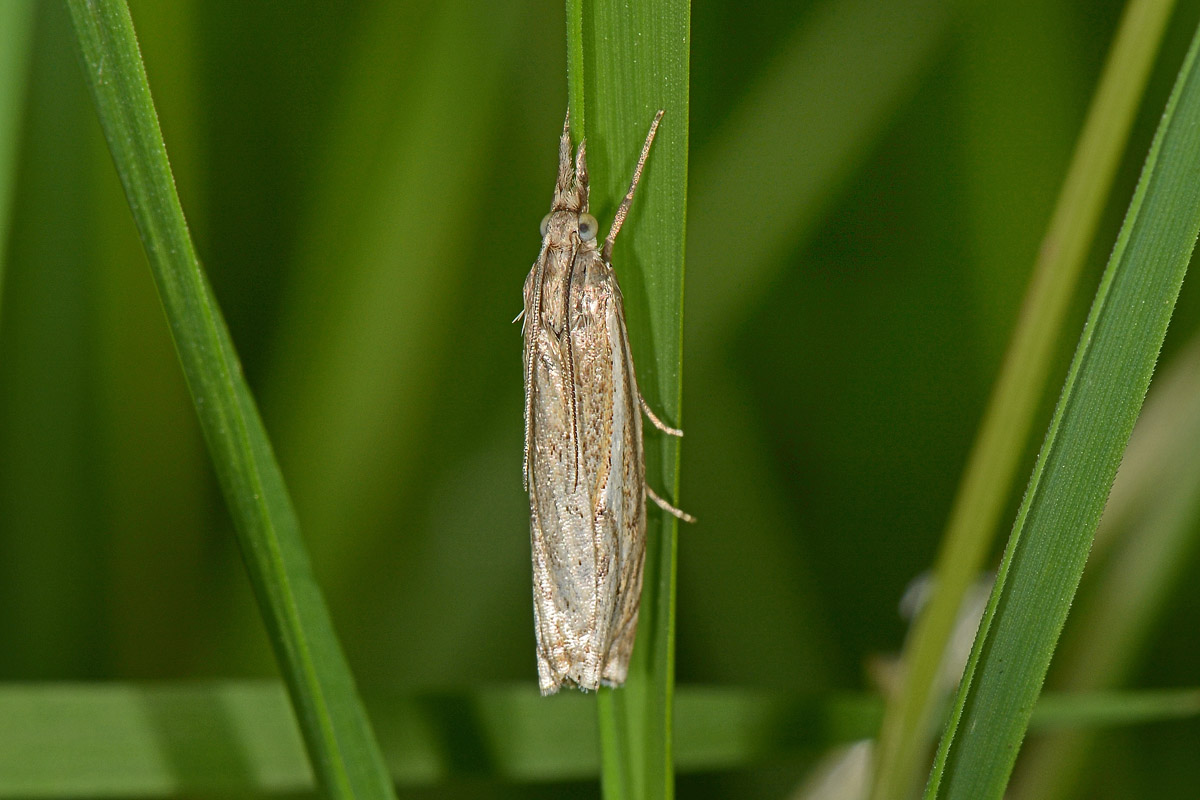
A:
870, 183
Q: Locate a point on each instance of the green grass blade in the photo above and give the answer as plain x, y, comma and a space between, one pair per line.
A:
575, 68
1144, 547
635, 59
1091, 710
16, 21
123, 739
345, 756
1100, 402
992, 466
218, 738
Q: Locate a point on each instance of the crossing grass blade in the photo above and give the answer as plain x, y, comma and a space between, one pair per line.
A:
1100, 402
223, 737
992, 467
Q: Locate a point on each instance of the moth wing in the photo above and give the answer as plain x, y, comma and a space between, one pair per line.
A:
564, 567
571, 643
623, 497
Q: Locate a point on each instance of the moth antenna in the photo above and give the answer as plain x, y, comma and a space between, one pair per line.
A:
623, 209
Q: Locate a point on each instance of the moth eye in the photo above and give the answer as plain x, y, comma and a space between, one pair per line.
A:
546, 224
587, 227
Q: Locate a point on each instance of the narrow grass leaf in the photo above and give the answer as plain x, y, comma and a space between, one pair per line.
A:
992, 465
575, 68
1144, 547
1100, 402
344, 754
632, 60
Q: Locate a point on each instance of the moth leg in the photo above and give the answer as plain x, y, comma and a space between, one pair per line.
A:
658, 423
517, 318
667, 507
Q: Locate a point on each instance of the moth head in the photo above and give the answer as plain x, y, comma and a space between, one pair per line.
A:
585, 225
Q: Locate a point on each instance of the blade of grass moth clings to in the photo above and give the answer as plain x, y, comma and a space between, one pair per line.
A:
584, 467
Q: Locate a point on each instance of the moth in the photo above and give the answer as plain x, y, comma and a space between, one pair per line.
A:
584, 467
